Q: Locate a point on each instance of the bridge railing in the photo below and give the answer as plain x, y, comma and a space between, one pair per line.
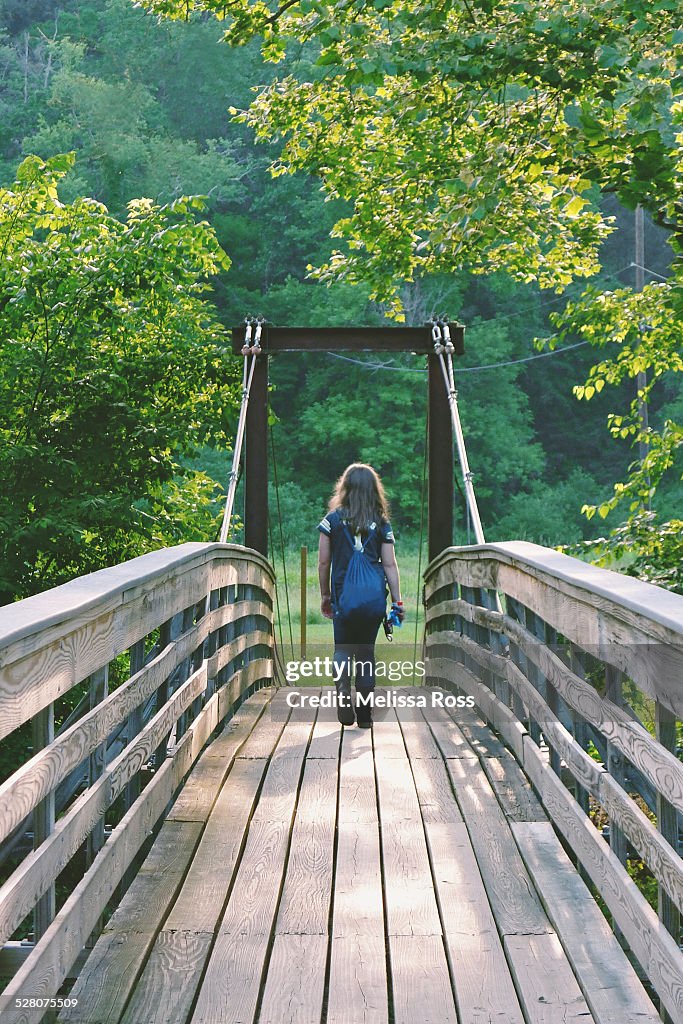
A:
165, 646
580, 670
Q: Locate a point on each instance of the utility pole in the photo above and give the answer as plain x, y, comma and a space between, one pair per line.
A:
641, 379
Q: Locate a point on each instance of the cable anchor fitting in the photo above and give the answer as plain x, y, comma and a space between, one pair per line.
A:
257, 335
246, 348
437, 337
252, 335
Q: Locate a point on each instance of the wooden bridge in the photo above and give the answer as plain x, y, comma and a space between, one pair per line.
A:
189, 849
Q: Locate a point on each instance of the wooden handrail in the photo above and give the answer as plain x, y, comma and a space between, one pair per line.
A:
555, 671
190, 628
654, 605
601, 611
52, 641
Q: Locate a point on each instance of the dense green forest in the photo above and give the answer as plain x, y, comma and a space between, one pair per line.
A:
144, 106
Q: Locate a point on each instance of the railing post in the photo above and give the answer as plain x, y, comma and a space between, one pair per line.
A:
576, 663
135, 720
304, 554
168, 632
667, 818
201, 610
546, 636
481, 635
550, 638
470, 630
133, 727
615, 767
526, 666
43, 730
183, 671
98, 689
224, 598
458, 620
517, 611
500, 685
212, 642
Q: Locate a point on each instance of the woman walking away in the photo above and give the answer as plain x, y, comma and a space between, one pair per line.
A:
356, 561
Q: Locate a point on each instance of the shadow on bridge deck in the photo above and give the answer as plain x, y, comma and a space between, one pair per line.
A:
310, 874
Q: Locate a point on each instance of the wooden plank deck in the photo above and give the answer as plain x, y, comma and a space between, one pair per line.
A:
309, 874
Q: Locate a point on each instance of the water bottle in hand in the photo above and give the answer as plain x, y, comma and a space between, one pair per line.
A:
394, 618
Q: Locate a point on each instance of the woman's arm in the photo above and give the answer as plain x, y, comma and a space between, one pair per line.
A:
388, 556
324, 564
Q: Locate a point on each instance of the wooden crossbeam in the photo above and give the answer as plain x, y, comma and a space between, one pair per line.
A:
349, 339
417, 340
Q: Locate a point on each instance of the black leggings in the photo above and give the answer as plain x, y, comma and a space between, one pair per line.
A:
355, 638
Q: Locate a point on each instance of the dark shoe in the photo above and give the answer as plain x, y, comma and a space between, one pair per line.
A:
364, 718
345, 715
363, 709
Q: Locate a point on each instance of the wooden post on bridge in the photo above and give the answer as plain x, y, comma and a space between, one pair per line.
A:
43, 733
256, 461
303, 602
667, 823
417, 340
441, 470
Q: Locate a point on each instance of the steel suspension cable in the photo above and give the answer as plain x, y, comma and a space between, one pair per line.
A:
443, 347
248, 350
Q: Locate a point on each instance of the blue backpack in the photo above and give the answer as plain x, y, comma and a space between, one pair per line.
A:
364, 592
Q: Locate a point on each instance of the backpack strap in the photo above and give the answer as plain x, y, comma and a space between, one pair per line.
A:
348, 533
350, 538
367, 539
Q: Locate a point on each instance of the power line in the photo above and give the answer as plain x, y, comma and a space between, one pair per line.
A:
639, 266
463, 369
373, 367
524, 359
501, 317
494, 319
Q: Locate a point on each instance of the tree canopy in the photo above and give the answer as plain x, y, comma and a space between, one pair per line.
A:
143, 100
469, 132
481, 135
112, 366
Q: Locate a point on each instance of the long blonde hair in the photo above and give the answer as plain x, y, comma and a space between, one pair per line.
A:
359, 496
